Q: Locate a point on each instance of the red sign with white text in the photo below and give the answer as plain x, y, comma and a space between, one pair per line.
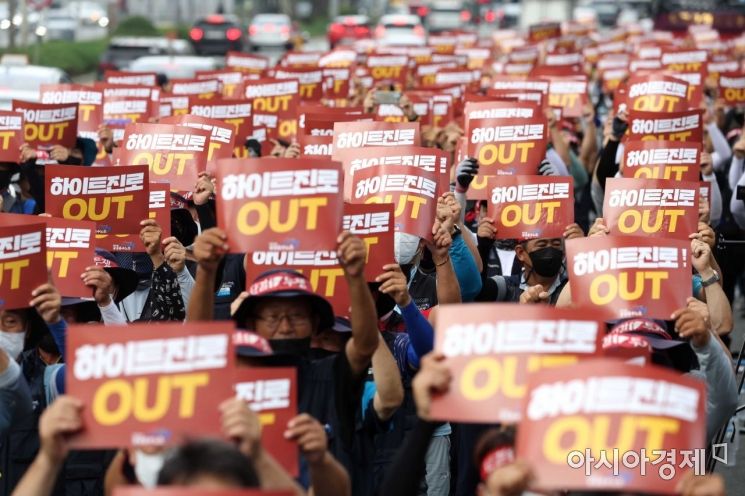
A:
47, 125
70, 249
652, 159
11, 135
23, 264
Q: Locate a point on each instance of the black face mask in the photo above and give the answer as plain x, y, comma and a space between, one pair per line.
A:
546, 261
292, 347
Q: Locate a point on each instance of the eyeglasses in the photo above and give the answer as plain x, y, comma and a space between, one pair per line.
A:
294, 319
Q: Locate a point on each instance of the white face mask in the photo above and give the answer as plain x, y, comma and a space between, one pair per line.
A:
12, 343
147, 467
405, 247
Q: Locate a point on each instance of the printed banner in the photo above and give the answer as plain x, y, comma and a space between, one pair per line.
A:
363, 134
230, 80
159, 209
529, 207
198, 88
274, 105
279, 204
492, 348
11, 136
319, 146
47, 125
248, 63
70, 249
131, 78
543, 31
388, 68
272, 393
428, 159
604, 425
412, 190
222, 135
679, 161
115, 199
309, 80
153, 385
656, 93
507, 146
732, 87
89, 100
236, 113
569, 94
23, 259
686, 125
651, 207
176, 154
629, 276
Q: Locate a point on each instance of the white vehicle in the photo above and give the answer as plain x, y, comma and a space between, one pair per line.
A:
89, 13
270, 30
447, 15
400, 30
22, 82
173, 66
58, 24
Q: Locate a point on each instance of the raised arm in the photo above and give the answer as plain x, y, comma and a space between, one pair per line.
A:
209, 249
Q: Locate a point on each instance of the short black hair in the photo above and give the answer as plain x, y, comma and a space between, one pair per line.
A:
208, 457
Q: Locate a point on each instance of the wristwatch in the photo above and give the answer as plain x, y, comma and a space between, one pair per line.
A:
712, 280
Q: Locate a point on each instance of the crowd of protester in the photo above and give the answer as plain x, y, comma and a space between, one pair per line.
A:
366, 380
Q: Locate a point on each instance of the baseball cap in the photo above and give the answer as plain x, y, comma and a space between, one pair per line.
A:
284, 283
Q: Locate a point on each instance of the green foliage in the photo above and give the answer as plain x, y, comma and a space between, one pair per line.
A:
75, 58
136, 26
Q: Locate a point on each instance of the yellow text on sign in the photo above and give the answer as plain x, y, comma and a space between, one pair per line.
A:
14, 267
632, 221
64, 258
162, 164
563, 100
95, 209
674, 172
579, 433
515, 214
607, 287
118, 400
485, 377
255, 216
655, 103
272, 104
45, 132
504, 153
403, 201
5, 137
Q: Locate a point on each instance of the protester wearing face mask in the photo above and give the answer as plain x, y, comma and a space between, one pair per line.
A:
282, 308
543, 275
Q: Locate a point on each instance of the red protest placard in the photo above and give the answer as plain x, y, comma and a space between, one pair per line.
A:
656, 93
507, 146
507, 83
607, 425
274, 105
374, 224
131, 78
569, 94
649, 159
732, 87
543, 31
70, 249
316, 146
321, 267
176, 154
310, 81
230, 80
528, 207
272, 393
118, 111
696, 81
388, 68
236, 113
683, 60
686, 125
89, 100
363, 134
428, 159
279, 204
194, 491
245, 62
491, 348
115, 199
412, 190
159, 209
629, 276
11, 136
153, 385
651, 207
47, 125
199, 88
222, 135
23, 259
